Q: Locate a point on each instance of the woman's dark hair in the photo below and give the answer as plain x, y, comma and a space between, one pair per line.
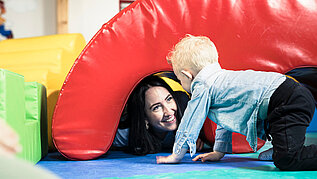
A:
142, 140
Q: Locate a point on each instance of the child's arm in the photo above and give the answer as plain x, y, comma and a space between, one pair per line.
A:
190, 126
223, 140
173, 158
222, 143
211, 156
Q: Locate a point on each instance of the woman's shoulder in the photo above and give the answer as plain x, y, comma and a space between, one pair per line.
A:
122, 138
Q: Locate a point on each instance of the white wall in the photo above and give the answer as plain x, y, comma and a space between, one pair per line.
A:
87, 16
29, 18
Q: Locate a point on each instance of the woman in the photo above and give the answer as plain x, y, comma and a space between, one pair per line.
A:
151, 117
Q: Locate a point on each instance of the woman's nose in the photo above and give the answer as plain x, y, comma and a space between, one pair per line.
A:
168, 110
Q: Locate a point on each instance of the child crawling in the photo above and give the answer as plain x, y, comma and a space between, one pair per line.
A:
254, 103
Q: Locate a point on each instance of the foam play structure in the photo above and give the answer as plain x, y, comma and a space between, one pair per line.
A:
23, 107
261, 35
44, 59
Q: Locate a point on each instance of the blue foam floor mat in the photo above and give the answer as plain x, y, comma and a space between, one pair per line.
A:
116, 164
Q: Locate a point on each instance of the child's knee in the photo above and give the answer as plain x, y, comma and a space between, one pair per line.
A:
285, 163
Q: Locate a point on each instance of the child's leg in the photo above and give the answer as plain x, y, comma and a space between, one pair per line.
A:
290, 112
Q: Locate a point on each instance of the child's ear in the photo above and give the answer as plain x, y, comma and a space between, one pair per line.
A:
187, 73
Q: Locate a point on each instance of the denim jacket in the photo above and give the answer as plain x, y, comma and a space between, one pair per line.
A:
236, 101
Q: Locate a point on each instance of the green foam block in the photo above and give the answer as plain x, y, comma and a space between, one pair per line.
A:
23, 107
36, 113
12, 104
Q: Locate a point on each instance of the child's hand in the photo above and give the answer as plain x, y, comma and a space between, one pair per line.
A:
167, 159
211, 156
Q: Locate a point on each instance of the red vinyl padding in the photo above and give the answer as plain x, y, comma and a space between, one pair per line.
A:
239, 142
265, 35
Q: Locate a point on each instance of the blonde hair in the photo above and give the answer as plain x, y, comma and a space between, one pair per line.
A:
192, 52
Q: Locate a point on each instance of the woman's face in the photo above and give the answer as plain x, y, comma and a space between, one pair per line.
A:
160, 109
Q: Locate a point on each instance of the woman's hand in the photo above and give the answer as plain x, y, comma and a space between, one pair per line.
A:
199, 144
211, 156
167, 159
9, 140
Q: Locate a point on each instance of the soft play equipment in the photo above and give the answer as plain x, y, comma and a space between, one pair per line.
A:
36, 112
23, 107
44, 59
261, 35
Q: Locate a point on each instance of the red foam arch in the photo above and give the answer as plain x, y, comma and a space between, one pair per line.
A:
249, 34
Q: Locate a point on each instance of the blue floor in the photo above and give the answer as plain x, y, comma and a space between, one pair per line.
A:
118, 164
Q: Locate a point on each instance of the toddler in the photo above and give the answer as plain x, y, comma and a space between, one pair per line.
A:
256, 104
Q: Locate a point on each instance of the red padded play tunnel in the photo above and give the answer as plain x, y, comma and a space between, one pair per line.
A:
262, 35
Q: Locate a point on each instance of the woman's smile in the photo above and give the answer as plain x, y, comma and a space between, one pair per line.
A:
169, 119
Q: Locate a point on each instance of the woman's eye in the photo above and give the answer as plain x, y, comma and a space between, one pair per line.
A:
155, 108
170, 98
